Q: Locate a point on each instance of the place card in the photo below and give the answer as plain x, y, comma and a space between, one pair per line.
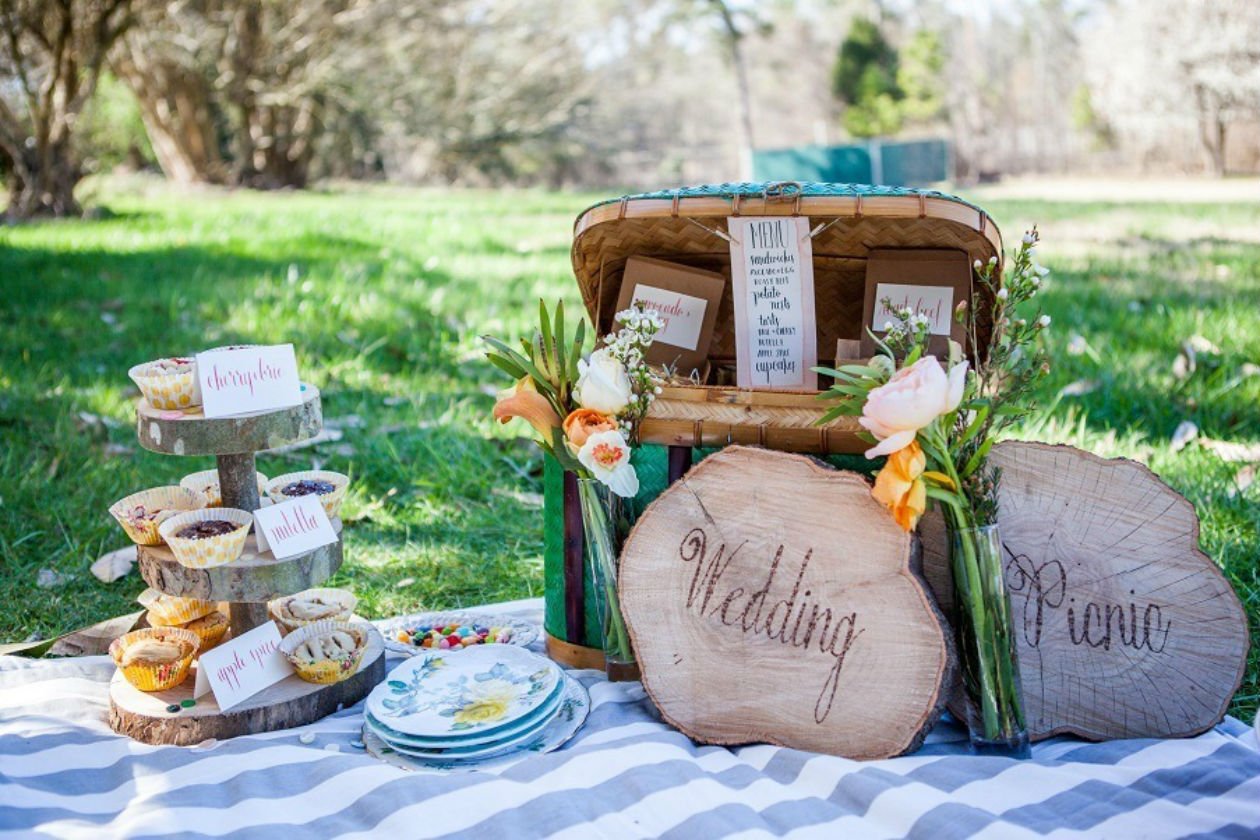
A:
687, 299
772, 273
241, 380
242, 666
293, 527
930, 281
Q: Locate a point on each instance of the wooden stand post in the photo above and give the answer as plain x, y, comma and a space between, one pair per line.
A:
238, 485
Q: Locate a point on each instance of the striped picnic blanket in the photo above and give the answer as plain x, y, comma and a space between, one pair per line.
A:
63, 773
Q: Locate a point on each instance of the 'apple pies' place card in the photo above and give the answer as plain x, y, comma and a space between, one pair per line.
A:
772, 275
293, 527
242, 380
242, 666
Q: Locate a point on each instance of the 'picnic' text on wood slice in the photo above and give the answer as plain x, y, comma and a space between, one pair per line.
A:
770, 598
1125, 628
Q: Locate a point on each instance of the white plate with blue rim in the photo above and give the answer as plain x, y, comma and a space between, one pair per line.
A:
440, 693
568, 719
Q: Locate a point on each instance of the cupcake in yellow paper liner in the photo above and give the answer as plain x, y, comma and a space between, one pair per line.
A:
210, 629
329, 486
206, 538
206, 483
326, 652
156, 658
170, 611
294, 611
141, 514
168, 383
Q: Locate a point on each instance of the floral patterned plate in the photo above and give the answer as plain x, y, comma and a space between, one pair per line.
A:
521, 633
437, 694
568, 719
517, 727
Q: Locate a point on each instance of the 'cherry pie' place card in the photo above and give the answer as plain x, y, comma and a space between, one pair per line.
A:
241, 380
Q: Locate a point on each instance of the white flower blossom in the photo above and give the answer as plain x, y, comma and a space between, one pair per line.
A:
1003, 294
1043, 321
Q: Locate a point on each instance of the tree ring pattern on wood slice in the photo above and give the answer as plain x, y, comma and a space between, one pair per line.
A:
189, 432
770, 598
1125, 628
254, 576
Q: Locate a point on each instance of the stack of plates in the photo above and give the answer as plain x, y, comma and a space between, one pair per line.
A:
472, 708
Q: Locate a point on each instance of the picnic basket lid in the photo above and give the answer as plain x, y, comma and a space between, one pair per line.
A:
849, 220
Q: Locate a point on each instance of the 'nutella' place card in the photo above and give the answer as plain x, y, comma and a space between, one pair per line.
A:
242, 666
772, 274
293, 527
241, 380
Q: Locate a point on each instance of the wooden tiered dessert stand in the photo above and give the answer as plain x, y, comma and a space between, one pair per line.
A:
247, 584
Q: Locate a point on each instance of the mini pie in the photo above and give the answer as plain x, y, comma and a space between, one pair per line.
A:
327, 651
168, 383
329, 486
313, 605
170, 611
156, 658
210, 629
206, 483
141, 514
203, 539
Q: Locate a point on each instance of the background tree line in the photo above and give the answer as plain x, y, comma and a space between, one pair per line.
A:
276, 93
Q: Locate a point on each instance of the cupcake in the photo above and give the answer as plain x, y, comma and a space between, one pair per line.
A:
210, 629
154, 659
294, 611
170, 611
206, 483
327, 651
168, 383
202, 539
329, 486
142, 514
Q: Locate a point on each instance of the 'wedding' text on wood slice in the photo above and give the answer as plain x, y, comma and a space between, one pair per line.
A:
770, 598
1125, 628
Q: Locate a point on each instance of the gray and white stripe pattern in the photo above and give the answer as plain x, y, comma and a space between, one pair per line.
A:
63, 773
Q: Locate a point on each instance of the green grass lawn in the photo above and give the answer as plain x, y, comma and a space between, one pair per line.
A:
385, 293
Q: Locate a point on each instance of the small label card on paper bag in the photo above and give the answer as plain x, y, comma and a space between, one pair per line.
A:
687, 299
293, 527
929, 281
772, 272
248, 379
243, 666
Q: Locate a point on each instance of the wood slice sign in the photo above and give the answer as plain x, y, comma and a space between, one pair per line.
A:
1125, 628
770, 598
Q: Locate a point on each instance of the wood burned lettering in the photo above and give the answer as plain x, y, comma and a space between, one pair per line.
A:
794, 619
1040, 587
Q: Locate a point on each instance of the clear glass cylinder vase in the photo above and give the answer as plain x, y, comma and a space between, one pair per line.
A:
606, 521
986, 640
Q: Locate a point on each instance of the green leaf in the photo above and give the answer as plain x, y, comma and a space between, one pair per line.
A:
506, 365
578, 338
943, 495
976, 459
545, 341
557, 338
981, 413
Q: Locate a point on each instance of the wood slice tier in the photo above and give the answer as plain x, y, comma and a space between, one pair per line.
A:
255, 576
189, 432
290, 702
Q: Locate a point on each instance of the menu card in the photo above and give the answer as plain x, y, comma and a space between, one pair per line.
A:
772, 273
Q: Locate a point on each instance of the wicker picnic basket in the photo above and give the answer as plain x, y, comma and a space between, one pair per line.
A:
688, 226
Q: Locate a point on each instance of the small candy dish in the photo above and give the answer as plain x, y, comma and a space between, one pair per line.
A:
168, 383
142, 514
156, 658
326, 652
206, 483
329, 486
206, 538
171, 611
414, 634
294, 611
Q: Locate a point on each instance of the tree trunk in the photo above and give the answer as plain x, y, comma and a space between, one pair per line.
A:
42, 183
1212, 129
734, 38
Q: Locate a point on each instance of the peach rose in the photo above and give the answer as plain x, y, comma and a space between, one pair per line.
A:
900, 487
525, 402
584, 422
914, 397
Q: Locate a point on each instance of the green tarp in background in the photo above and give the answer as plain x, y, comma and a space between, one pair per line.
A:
893, 163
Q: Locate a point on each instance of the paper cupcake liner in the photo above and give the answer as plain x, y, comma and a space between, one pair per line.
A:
170, 611
210, 634
206, 483
331, 501
167, 390
210, 551
155, 677
325, 671
169, 500
288, 623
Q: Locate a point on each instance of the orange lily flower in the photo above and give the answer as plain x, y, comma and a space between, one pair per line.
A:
525, 402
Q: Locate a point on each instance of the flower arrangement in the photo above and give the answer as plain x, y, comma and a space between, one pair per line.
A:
936, 424
587, 414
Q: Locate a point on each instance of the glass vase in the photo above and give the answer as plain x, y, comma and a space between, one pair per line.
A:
606, 520
986, 644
